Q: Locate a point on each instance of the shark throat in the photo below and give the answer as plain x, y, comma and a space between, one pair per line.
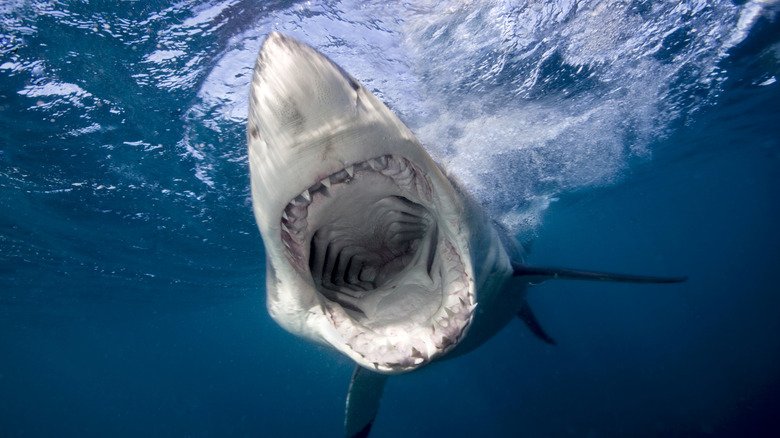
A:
370, 241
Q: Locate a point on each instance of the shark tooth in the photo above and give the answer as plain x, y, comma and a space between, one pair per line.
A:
301, 201
339, 177
453, 302
378, 164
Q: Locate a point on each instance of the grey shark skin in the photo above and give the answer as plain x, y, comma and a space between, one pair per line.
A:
371, 248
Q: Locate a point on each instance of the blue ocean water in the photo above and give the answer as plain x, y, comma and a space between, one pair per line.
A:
628, 136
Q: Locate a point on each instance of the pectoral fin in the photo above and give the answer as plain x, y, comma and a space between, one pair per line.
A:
539, 274
365, 390
528, 317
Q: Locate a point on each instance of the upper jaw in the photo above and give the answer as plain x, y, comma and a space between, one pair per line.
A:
309, 119
312, 130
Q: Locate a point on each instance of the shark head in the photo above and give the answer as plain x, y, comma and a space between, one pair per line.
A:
367, 241
371, 249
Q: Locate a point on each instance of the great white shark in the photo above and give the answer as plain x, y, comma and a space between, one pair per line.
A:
372, 249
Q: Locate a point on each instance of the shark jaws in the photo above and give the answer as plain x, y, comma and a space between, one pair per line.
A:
371, 248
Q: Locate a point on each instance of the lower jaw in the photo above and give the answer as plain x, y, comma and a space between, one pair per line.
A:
404, 346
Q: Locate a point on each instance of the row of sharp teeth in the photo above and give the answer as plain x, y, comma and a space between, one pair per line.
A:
391, 348
388, 348
294, 224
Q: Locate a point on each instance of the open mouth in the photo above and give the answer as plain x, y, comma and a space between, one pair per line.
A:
392, 282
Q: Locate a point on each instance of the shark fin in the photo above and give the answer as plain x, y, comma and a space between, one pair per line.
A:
365, 390
539, 274
528, 317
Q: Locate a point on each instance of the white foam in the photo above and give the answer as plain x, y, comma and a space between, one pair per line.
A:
521, 101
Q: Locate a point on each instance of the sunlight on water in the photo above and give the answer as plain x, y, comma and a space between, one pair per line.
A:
522, 102
532, 99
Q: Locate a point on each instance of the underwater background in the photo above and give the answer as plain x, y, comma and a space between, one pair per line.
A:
627, 136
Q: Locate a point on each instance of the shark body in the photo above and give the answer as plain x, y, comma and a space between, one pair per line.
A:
371, 248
